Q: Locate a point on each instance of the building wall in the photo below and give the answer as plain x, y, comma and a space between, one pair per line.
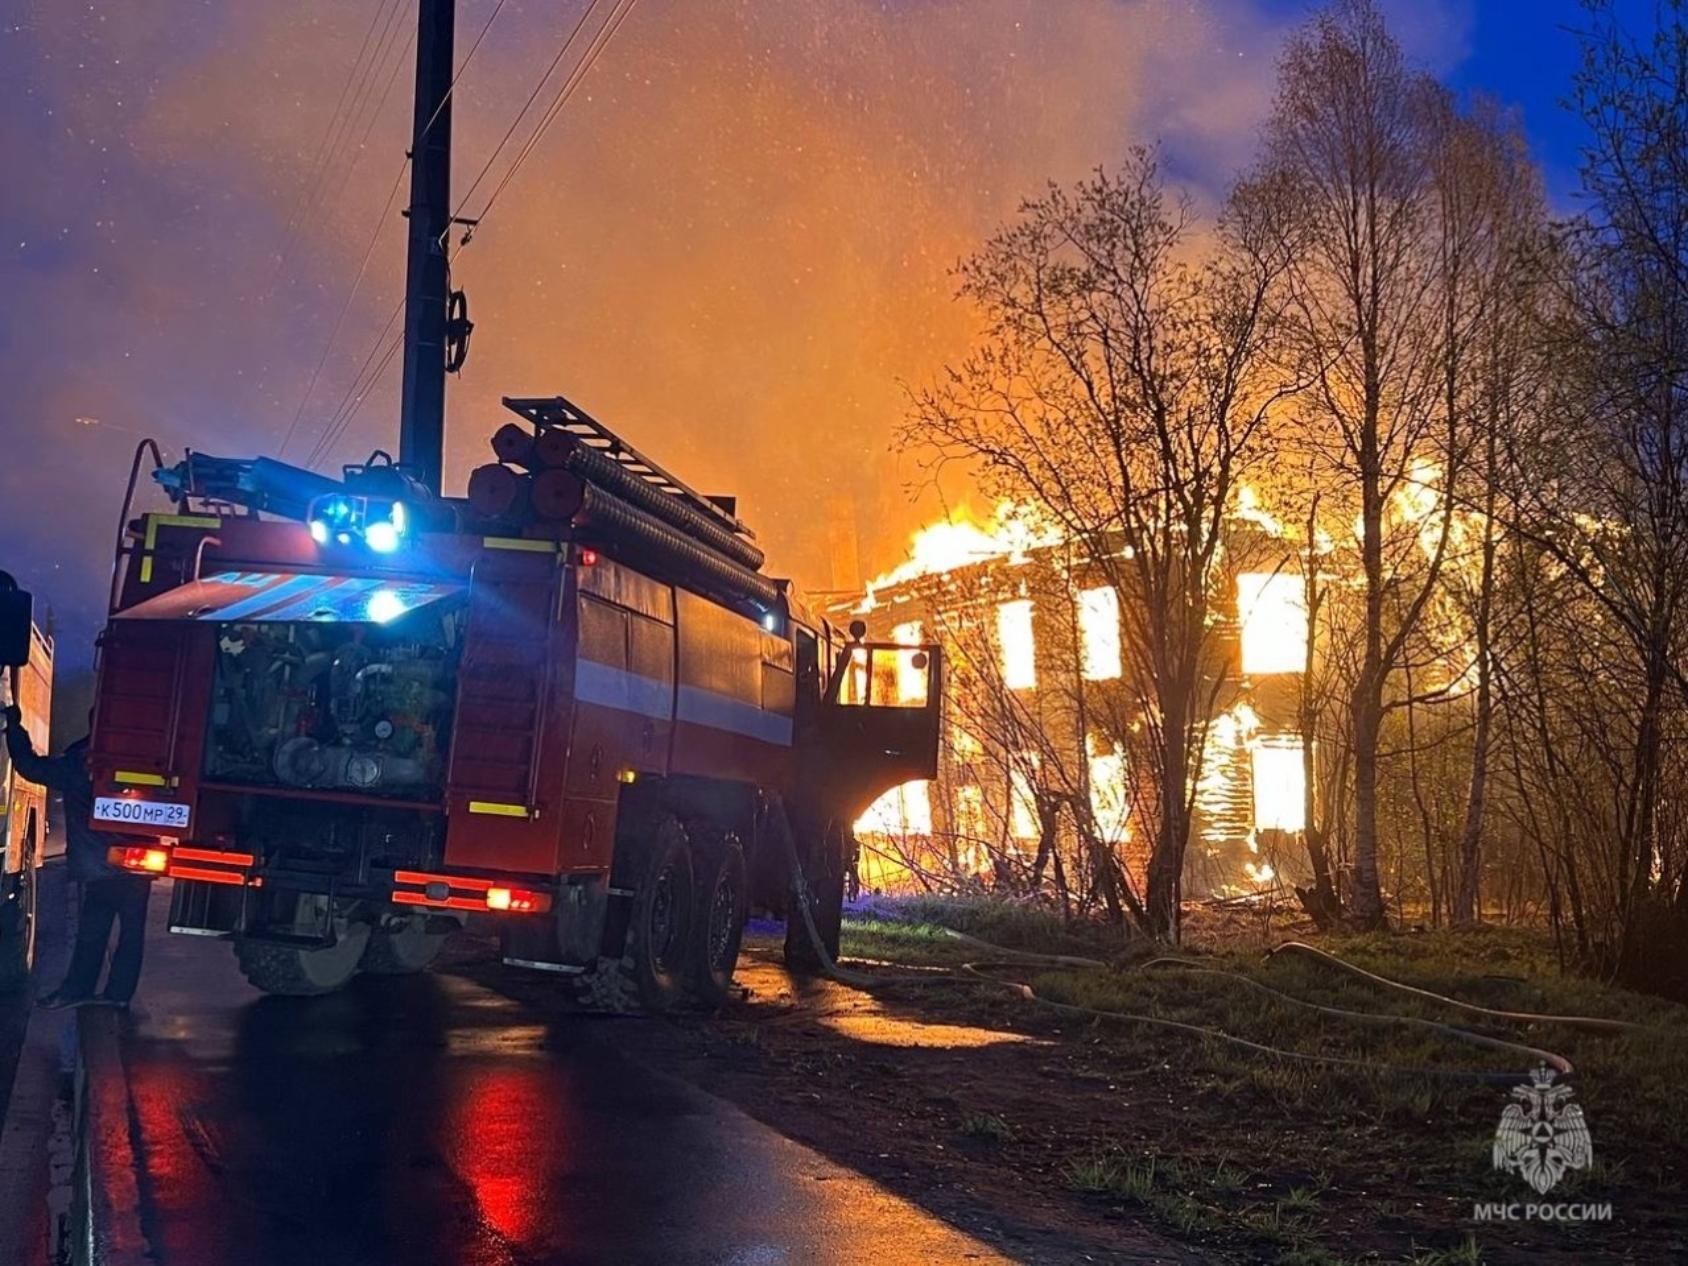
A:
1061, 701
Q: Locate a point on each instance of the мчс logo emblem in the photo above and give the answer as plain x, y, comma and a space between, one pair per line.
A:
1541, 1135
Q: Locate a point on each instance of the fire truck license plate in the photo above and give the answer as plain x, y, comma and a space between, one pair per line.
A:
135, 812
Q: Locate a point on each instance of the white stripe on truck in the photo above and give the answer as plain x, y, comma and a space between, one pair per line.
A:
610, 687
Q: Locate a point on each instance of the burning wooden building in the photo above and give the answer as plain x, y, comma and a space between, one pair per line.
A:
1043, 714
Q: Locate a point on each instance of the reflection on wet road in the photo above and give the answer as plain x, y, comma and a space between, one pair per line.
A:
428, 1119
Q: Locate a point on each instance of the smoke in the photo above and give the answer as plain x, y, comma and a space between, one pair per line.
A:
733, 246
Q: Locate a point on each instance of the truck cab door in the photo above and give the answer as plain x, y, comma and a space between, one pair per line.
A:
879, 723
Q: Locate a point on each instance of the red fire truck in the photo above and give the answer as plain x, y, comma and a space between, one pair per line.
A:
348, 715
28, 659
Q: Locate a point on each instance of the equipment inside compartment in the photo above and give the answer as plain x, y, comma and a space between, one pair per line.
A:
340, 706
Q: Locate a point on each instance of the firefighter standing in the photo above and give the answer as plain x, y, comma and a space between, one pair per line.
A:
107, 893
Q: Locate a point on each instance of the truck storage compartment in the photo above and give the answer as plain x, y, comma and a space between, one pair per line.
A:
357, 706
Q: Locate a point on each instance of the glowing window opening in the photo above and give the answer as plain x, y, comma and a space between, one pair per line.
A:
1273, 610
1110, 797
1099, 640
1022, 818
1019, 647
1280, 785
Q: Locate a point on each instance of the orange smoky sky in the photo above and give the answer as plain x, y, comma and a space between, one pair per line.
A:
733, 245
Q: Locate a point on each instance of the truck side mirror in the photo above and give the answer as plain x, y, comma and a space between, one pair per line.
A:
17, 609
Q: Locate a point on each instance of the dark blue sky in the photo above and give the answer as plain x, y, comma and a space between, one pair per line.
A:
734, 245
1526, 54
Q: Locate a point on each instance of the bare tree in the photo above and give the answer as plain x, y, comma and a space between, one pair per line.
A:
1119, 388
1608, 497
1376, 248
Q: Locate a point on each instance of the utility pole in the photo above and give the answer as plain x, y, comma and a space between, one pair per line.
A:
422, 412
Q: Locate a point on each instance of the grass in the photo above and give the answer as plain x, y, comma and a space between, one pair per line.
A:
1466, 1253
987, 1126
1012, 925
1146, 1182
1376, 1123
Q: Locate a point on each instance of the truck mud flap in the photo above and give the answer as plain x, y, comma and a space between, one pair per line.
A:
569, 940
201, 909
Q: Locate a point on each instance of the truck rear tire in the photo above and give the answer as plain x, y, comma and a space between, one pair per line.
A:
401, 950
296, 972
659, 927
723, 898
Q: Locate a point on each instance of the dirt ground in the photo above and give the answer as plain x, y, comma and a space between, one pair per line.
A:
1064, 1139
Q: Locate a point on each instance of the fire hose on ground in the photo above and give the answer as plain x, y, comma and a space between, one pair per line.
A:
1008, 959
1525, 1017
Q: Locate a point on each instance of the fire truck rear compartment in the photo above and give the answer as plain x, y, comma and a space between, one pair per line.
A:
350, 707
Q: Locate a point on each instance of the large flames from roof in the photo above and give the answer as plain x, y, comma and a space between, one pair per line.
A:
961, 540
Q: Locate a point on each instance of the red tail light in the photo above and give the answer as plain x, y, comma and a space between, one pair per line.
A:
139, 857
517, 900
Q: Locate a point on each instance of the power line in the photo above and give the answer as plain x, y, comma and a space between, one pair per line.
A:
380, 223
521, 114
340, 320
594, 50
356, 402
366, 377
350, 100
330, 434
352, 400
334, 117
373, 118
360, 115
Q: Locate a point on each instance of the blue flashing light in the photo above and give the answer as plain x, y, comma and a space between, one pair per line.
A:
385, 606
382, 537
378, 523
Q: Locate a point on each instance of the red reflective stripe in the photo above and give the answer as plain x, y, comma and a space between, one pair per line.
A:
208, 876
212, 855
450, 903
455, 881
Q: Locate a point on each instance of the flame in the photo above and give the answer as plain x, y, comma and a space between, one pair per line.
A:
1251, 782
970, 811
911, 673
960, 541
1098, 624
1249, 508
1019, 644
1280, 784
1110, 796
902, 811
1273, 609
1022, 800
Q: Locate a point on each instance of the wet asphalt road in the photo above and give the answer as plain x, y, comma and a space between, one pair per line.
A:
431, 1120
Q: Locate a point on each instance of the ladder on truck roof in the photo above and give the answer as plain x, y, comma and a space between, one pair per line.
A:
548, 413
